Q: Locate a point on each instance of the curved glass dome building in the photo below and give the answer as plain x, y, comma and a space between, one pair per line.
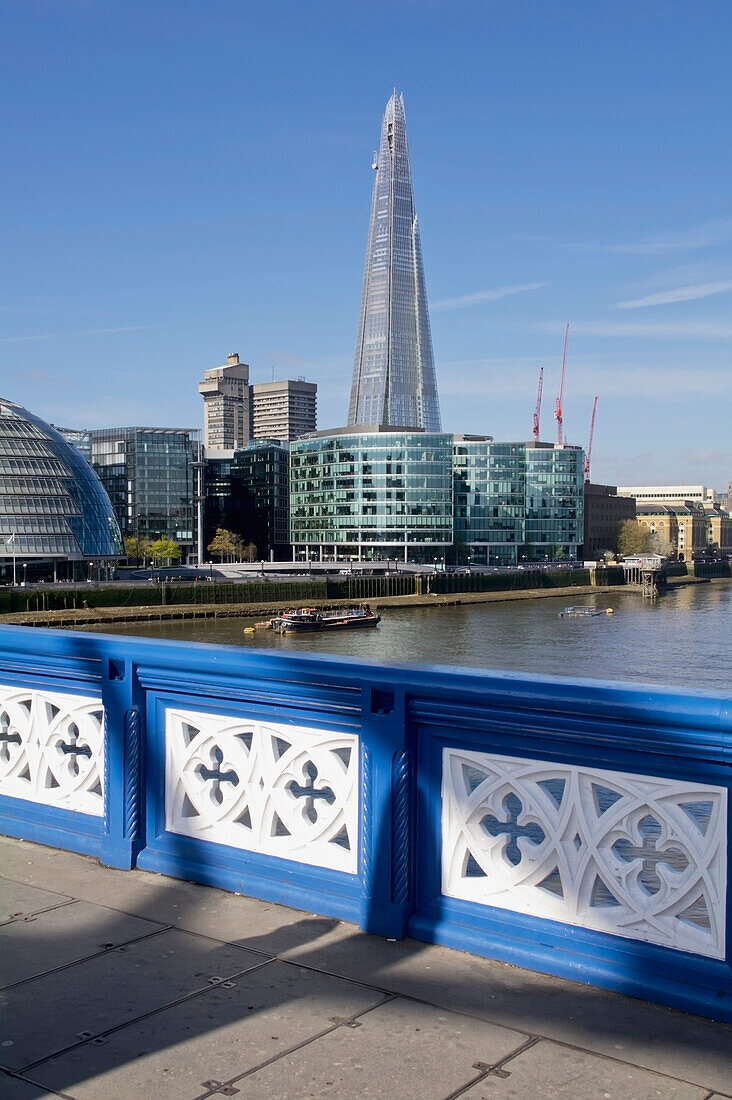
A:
52, 504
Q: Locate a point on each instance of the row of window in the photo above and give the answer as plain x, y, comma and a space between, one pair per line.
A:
34, 524
37, 505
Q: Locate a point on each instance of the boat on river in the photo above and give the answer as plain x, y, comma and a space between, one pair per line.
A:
309, 619
583, 612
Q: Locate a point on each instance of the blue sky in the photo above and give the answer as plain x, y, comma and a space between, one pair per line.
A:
187, 178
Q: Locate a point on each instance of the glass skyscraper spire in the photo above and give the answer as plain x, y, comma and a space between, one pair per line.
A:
394, 382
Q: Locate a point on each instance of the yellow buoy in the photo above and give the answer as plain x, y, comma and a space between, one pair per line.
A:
608, 610
248, 629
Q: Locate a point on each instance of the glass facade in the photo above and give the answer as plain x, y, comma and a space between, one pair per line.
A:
394, 381
434, 498
218, 504
260, 476
148, 475
371, 495
517, 502
52, 504
555, 485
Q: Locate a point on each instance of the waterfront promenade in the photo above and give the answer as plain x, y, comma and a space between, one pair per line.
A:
130, 984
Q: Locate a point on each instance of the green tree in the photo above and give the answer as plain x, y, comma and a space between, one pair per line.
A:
224, 544
249, 553
633, 539
165, 550
137, 548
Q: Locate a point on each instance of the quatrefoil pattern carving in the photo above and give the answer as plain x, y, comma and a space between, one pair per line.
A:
282, 790
52, 749
634, 855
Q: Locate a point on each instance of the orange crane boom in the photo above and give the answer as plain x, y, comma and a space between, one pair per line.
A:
537, 411
588, 456
560, 398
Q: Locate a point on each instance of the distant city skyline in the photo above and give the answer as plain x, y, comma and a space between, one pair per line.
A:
183, 181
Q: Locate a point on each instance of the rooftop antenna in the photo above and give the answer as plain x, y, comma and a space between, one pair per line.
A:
537, 411
560, 398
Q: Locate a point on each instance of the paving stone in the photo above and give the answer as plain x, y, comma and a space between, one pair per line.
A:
17, 899
657, 1038
13, 1089
215, 1036
64, 935
402, 1049
258, 925
53, 1011
553, 1072
682, 1046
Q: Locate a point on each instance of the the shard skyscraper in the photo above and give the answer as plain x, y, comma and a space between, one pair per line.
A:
394, 382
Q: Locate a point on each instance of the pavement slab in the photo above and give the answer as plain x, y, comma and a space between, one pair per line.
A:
258, 925
415, 1052
66, 1007
217, 1036
554, 1072
118, 964
18, 901
65, 935
648, 1035
11, 1088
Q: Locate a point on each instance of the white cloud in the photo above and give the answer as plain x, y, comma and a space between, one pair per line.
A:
709, 456
85, 332
716, 231
507, 379
480, 296
680, 294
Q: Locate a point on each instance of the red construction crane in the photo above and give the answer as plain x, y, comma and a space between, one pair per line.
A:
537, 412
558, 404
588, 456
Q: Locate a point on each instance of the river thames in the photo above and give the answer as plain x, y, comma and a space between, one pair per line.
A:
683, 639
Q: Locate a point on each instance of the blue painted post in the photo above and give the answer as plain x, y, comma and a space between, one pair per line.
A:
386, 825
123, 762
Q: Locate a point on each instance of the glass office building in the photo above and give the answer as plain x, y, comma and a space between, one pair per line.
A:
433, 498
517, 502
394, 382
371, 494
52, 505
148, 475
218, 502
555, 485
260, 479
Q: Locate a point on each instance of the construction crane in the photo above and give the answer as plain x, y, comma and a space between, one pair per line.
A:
560, 398
537, 412
588, 456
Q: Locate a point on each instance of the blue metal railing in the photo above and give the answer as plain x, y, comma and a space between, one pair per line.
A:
573, 827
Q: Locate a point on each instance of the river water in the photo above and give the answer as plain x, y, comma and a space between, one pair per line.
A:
683, 639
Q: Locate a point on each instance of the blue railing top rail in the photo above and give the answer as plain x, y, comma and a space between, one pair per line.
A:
583, 707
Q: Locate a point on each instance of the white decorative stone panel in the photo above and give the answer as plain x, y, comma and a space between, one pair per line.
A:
266, 787
52, 749
634, 855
